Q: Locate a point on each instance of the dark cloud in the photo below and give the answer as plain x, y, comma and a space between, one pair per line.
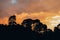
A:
7, 8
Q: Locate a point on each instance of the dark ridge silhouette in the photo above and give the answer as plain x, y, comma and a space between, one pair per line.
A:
25, 31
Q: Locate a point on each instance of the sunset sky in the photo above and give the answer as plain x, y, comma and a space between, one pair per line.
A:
48, 11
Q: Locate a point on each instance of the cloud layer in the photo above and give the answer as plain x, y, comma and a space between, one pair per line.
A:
7, 8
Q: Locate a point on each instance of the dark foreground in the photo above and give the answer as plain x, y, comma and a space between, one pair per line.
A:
22, 33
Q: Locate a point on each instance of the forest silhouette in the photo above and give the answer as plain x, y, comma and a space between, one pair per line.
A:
31, 29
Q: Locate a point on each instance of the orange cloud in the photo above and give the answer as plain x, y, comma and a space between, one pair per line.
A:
44, 17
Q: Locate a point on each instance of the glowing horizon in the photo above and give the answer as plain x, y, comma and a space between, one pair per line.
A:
51, 20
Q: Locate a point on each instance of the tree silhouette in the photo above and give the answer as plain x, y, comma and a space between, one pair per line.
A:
37, 23
58, 26
27, 24
12, 20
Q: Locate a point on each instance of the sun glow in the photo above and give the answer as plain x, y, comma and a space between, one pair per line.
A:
13, 1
